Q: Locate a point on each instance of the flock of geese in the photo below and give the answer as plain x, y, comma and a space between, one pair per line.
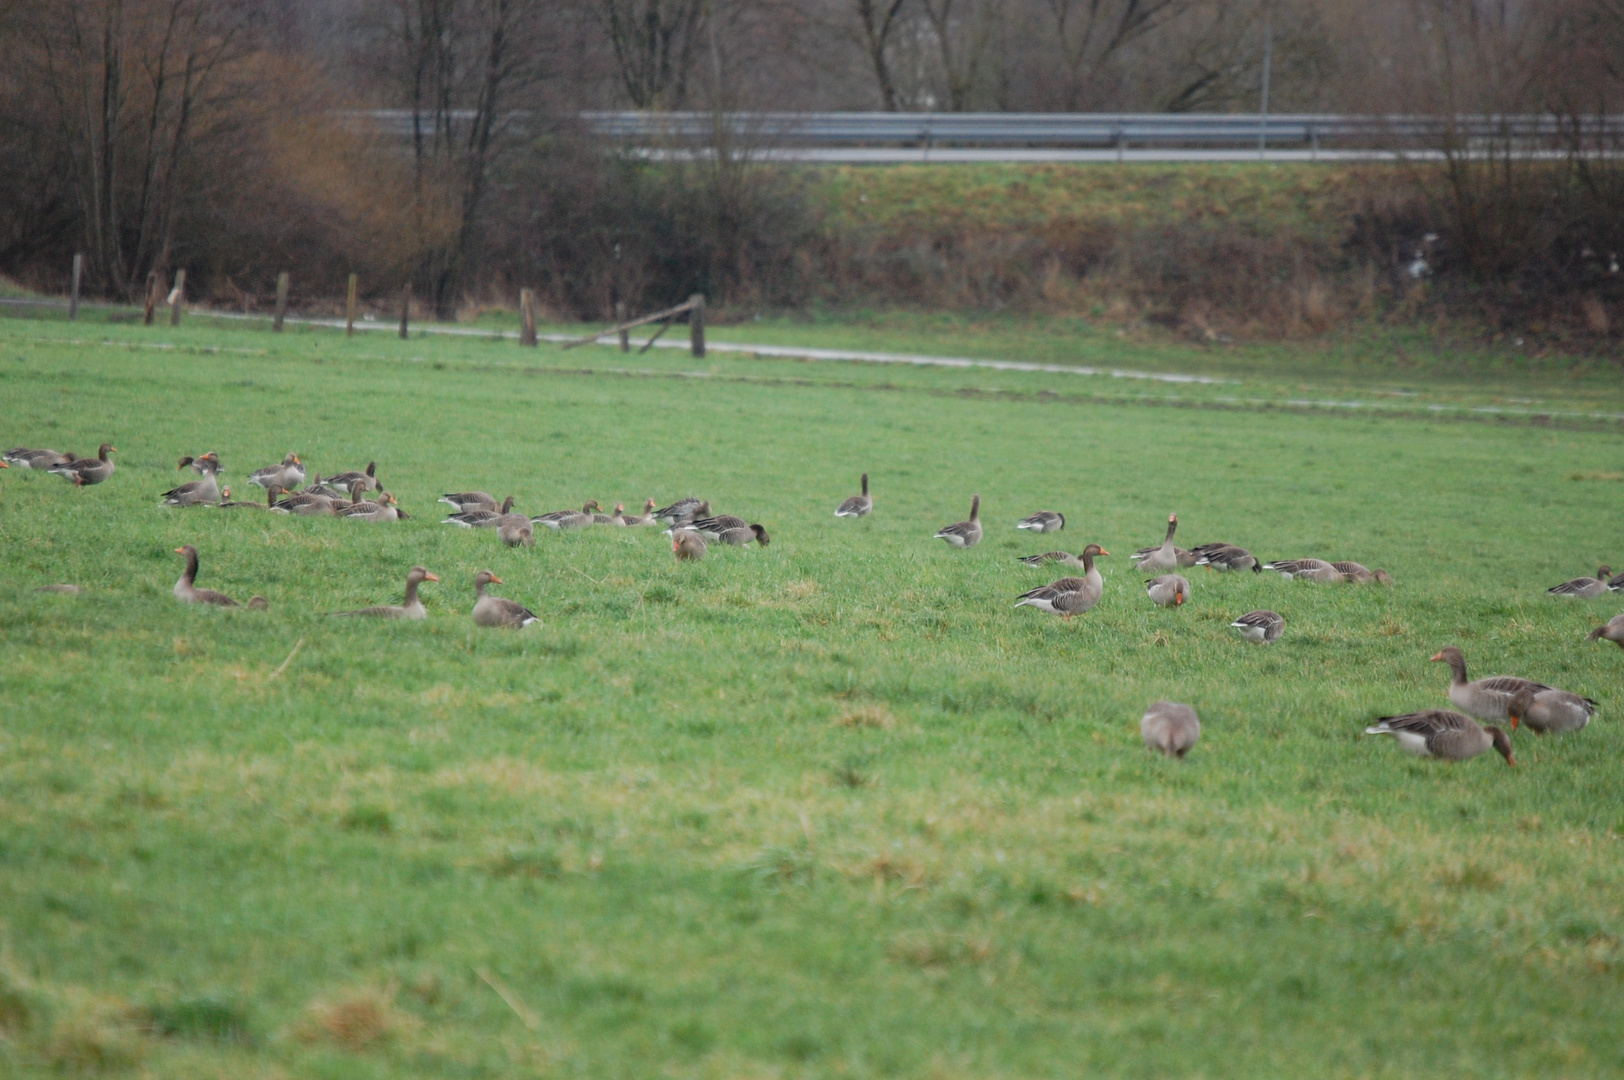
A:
1168, 727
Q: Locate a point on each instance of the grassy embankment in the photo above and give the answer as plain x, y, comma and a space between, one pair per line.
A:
827, 808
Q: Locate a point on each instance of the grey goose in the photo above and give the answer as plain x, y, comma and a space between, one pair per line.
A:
288, 474
1612, 630
1440, 733
463, 501
964, 534
687, 546
24, 458
1170, 728
1070, 595
1226, 557
683, 511
857, 505
1260, 627
481, 517
186, 589
1044, 521
1584, 587
1164, 556
1487, 698
1168, 590
1549, 710
411, 608
1306, 570
86, 471
1361, 575
495, 610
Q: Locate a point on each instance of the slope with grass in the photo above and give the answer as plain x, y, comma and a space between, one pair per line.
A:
829, 808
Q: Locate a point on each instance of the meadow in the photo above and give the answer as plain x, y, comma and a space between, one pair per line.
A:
830, 808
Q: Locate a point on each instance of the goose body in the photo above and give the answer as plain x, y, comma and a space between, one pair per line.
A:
1550, 710
24, 458
683, 511
1044, 521
712, 528
411, 608
645, 518
687, 546
1064, 558
1440, 733
569, 519
287, 475
1584, 587
615, 520
1165, 556
367, 478
739, 537
481, 517
1612, 630
495, 610
1361, 575
203, 465
384, 509
86, 471
327, 488
1306, 570
1226, 557
515, 530
186, 589
1170, 728
463, 501
197, 492
309, 505
1070, 595
1260, 626
1168, 590
1485, 699
964, 534
857, 505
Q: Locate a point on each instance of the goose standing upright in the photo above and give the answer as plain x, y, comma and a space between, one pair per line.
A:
495, 610
1440, 733
1487, 698
411, 608
186, 589
86, 471
1044, 521
964, 534
1165, 556
1584, 587
1070, 595
858, 505
1170, 728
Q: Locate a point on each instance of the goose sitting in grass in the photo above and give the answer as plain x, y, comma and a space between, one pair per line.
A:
1226, 557
516, 530
1612, 630
1168, 590
24, 458
1306, 570
687, 546
411, 608
683, 511
1549, 710
367, 478
645, 518
495, 610
1170, 728
964, 534
569, 519
384, 508
463, 501
1164, 556
1044, 521
228, 503
1487, 698
196, 492
1064, 558
616, 519
307, 504
202, 464
1584, 587
86, 471
186, 589
1439, 733
288, 475
1361, 575
327, 488
1070, 595
857, 505
1260, 626
481, 517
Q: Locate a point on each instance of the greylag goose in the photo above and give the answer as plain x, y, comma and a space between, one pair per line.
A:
197, 492
308, 504
1062, 557
646, 518
1260, 626
1549, 710
384, 509
1070, 595
368, 479
687, 546
1165, 556
1168, 590
857, 505
682, 511
1226, 557
495, 610
186, 589
711, 528
86, 471
740, 537
288, 475
258, 603
327, 488
412, 608
1170, 728
202, 465
463, 501
24, 458
1585, 587
616, 519
1044, 521
481, 518
964, 534
1485, 699
515, 530
1440, 733
1306, 570
569, 519
1612, 630
1352, 571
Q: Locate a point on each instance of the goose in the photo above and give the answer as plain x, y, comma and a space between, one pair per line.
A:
1165, 556
646, 518
186, 589
1550, 710
495, 610
1485, 699
1070, 595
1612, 630
201, 464
24, 458
1044, 521
228, 503
384, 509
1226, 557
481, 518
288, 475
1352, 571
306, 504
346, 480
1585, 587
616, 519
515, 530
327, 488
86, 471
258, 603
1260, 626
412, 608
1440, 733
1061, 557
1306, 570
1170, 728
683, 510
1168, 590
740, 537
711, 528
569, 519
64, 588
197, 492
964, 534
858, 505
463, 501
687, 546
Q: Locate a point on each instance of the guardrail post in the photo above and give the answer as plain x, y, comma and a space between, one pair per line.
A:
625, 335
73, 299
156, 280
177, 297
405, 310
527, 317
349, 307
696, 324
281, 301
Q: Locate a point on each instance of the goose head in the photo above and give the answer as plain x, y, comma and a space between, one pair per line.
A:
761, 535
417, 575
1502, 743
484, 578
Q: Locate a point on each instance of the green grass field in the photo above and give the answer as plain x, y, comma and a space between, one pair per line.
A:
833, 808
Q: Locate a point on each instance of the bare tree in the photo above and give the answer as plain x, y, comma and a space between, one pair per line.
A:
655, 45
877, 23
962, 32
1090, 34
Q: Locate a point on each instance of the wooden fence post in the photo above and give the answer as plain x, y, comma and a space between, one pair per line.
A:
349, 308
405, 310
157, 281
281, 301
625, 335
527, 317
177, 298
78, 273
696, 324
